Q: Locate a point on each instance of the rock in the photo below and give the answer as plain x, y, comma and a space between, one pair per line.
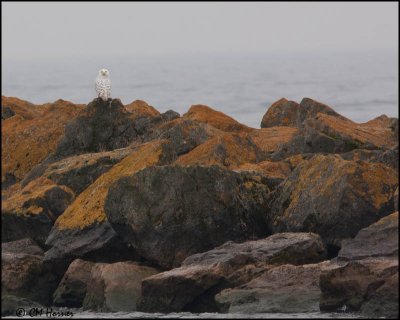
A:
102, 287
215, 118
283, 289
324, 130
83, 231
6, 112
101, 126
140, 109
357, 284
384, 302
32, 211
208, 205
32, 134
115, 287
368, 137
380, 239
310, 108
231, 150
23, 273
272, 169
78, 172
333, 197
396, 199
72, 289
292, 114
281, 113
389, 158
369, 279
183, 135
192, 286
10, 304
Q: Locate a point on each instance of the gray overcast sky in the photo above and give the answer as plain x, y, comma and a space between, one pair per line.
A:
87, 29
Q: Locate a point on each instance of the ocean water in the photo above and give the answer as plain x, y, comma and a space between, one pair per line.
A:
360, 85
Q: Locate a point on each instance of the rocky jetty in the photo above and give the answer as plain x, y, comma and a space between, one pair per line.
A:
111, 207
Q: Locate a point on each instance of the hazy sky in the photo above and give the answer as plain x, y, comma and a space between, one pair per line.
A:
88, 29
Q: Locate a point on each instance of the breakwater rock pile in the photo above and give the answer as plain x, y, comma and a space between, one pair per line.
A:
111, 207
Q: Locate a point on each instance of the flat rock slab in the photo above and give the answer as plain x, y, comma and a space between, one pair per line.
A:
203, 275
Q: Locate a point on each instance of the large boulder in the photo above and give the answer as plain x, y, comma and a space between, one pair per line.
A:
215, 118
321, 129
192, 287
368, 281
289, 113
23, 272
72, 288
101, 126
281, 113
380, 239
115, 287
105, 287
31, 211
333, 197
168, 213
359, 283
83, 231
31, 134
78, 172
140, 109
283, 289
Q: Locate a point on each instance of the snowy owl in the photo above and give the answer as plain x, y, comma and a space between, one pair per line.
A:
103, 84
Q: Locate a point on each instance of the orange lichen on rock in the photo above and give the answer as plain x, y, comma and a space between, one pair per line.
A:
278, 169
375, 132
269, 139
215, 118
233, 149
88, 207
227, 150
32, 134
140, 108
32, 199
281, 113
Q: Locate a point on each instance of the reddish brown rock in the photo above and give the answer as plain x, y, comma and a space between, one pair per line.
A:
369, 280
380, 239
192, 286
23, 273
281, 113
32, 134
292, 114
115, 287
231, 150
73, 286
356, 283
31, 211
140, 108
215, 118
283, 289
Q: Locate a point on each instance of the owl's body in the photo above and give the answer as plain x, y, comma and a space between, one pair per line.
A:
103, 85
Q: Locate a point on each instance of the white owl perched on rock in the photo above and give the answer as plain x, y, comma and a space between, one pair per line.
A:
103, 85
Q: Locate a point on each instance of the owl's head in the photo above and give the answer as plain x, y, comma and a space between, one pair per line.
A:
104, 72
